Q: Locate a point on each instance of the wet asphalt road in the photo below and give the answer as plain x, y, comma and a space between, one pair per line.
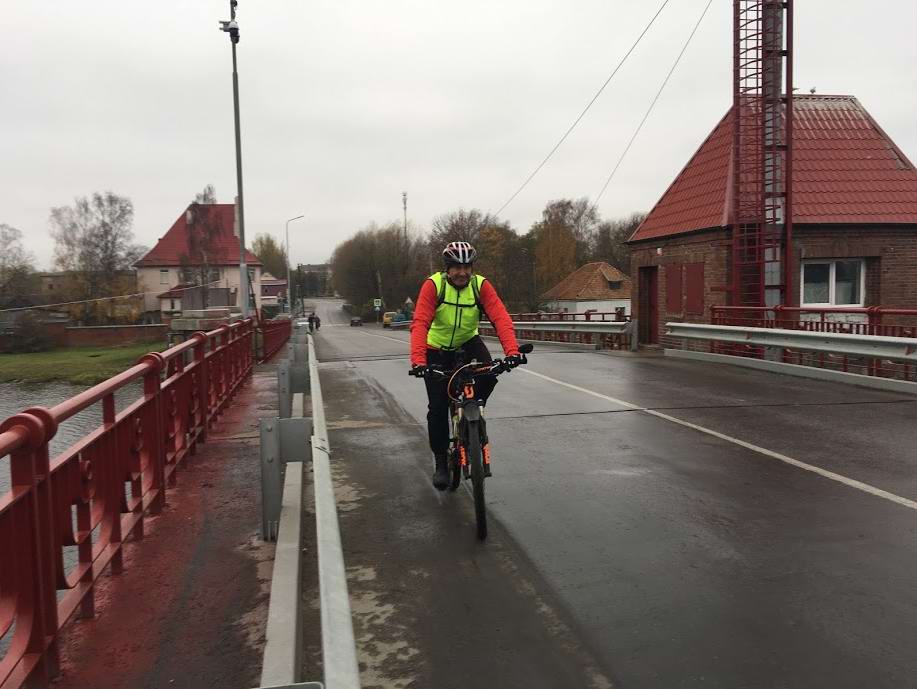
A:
670, 557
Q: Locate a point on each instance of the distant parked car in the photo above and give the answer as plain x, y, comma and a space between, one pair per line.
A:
399, 318
356, 320
387, 318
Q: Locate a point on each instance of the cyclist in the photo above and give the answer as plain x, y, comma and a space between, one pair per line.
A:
446, 317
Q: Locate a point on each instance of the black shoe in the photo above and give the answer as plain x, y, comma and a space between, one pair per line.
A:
441, 473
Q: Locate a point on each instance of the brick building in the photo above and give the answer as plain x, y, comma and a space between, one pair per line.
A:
854, 222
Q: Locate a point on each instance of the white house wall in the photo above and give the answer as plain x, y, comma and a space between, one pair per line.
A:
604, 306
148, 281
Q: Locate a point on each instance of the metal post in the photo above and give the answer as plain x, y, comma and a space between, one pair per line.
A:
232, 28
404, 201
289, 283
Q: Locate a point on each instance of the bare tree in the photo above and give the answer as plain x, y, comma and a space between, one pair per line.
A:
16, 264
272, 255
203, 231
380, 262
93, 239
206, 197
610, 243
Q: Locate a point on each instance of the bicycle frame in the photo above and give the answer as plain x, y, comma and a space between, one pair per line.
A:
465, 413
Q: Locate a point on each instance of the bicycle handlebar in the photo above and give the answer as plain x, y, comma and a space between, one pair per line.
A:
494, 368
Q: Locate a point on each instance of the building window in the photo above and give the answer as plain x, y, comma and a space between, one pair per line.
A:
163, 277
171, 304
833, 283
615, 284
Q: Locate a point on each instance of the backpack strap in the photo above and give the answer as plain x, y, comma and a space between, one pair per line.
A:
477, 295
441, 297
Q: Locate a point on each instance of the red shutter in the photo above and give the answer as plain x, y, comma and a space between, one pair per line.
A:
673, 288
694, 288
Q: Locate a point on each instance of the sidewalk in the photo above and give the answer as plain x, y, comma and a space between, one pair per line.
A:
189, 610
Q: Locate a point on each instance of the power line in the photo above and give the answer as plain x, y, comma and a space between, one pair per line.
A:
585, 110
117, 296
652, 104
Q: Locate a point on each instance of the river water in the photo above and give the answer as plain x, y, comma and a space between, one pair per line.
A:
14, 397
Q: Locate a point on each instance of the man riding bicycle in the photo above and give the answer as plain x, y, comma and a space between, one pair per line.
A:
446, 316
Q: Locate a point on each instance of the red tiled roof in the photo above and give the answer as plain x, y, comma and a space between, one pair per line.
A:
845, 170
173, 246
591, 282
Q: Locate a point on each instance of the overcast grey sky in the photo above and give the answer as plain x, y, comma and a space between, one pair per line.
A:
345, 104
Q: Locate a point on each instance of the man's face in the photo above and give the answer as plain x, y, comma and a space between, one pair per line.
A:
459, 275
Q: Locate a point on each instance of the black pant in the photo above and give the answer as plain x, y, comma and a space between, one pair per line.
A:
437, 395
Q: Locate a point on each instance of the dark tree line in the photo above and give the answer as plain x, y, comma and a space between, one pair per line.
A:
381, 261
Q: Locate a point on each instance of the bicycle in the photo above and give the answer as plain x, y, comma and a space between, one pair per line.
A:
469, 446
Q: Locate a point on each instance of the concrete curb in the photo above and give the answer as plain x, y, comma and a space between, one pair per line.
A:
799, 371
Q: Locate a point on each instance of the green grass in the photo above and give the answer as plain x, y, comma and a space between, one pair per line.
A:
78, 365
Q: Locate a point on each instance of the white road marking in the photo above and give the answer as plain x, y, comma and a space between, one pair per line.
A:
386, 337
853, 483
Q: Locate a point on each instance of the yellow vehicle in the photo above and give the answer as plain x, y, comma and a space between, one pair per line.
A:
387, 318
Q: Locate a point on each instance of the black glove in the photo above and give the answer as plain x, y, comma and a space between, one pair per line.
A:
513, 360
419, 371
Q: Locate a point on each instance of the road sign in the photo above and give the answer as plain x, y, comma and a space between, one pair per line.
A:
378, 308
377, 303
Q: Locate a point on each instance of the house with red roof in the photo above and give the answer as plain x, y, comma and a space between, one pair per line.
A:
854, 221
273, 290
594, 286
201, 247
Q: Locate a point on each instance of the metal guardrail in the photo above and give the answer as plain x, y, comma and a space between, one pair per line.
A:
901, 349
282, 654
339, 652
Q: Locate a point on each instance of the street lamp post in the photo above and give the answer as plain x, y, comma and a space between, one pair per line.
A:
232, 28
290, 284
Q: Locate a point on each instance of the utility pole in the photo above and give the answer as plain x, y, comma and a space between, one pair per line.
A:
232, 28
404, 201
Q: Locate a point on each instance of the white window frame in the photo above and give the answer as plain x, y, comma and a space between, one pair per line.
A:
164, 273
832, 263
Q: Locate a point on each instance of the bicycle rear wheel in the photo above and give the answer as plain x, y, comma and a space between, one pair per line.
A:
473, 451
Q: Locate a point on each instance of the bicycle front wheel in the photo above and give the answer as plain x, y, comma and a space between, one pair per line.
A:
473, 451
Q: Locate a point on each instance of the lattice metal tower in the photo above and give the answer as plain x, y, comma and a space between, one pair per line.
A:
760, 215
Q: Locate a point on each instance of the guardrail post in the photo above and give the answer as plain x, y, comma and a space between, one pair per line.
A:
284, 389
271, 479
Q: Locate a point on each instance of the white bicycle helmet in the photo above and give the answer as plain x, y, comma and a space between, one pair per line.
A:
461, 253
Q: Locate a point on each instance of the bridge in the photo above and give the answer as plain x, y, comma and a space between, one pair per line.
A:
654, 522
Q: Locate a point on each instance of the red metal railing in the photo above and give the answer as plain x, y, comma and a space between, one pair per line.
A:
602, 340
94, 495
275, 333
563, 316
872, 320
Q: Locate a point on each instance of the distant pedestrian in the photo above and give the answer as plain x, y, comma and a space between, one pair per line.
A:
311, 320
318, 322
